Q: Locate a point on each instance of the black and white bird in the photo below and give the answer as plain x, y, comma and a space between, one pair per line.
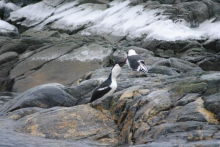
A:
135, 62
109, 86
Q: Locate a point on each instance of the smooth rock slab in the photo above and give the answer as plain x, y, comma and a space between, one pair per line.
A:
62, 63
74, 123
44, 96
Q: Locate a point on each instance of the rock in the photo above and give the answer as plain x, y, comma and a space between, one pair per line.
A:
21, 45
10, 7
20, 113
6, 57
11, 138
210, 64
68, 123
144, 110
8, 30
41, 34
193, 111
213, 80
194, 11
22, 3
187, 99
44, 96
212, 104
65, 67
4, 40
15, 45
2, 7
212, 45
7, 60
163, 70
178, 65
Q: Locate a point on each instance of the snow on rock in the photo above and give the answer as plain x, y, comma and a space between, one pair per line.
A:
88, 53
118, 19
9, 7
5, 27
35, 14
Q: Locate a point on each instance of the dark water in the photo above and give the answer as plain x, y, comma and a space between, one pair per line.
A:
9, 138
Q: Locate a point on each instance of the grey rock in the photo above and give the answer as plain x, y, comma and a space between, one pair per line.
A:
98, 126
187, 99
2, 7
9, 7
210, 64
41, 34
163, 70
7, 61
179, 65
23, 3
6, 57
44, 96
21, 45
212, 104
8, 30
65, 67
20, 113
4, 40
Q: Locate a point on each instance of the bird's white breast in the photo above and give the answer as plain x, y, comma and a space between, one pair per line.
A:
113, 88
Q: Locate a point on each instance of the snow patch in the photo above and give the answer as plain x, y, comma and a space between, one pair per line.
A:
12, 6
35, 13
120, 19
6, 27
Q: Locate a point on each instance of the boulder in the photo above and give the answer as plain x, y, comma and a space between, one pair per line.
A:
8, 30
22, 3
66, 123
44, 96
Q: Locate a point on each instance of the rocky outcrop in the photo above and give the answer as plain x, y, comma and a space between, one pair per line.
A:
45, 96
183, 15
61, 50
144, 110
67, 61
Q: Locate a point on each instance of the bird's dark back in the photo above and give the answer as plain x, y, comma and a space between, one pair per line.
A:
133, 61
100, 93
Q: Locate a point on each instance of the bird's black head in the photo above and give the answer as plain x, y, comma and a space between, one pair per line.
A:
121, 62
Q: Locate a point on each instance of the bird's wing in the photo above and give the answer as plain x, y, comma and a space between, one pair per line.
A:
134, 61
101, 91
142, 67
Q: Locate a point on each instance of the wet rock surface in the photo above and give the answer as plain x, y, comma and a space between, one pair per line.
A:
50, 65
